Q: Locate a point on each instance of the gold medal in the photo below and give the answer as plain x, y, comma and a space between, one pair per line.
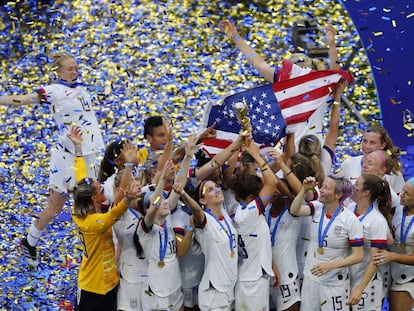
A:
232, 254
161, 264
320, 250
402, 246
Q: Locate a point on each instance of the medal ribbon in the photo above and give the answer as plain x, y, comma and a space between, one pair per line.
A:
229, 233
269, 220
370, 208
163, 244
404, 233
322, 235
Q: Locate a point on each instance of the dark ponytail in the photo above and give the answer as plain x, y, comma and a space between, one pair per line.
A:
112, 152
380, 193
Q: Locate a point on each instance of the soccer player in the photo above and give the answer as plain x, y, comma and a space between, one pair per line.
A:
70, 105
334, 230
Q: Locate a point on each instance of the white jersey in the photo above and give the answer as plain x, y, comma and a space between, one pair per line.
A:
160, 242
303, 241
230, 202
73, 106
108, 185
351, 168
345, 231
191, 265
395, 199
302, 244
284, 238
396, 181
402, 273
132, 268
218, 241
255, 248
375, 235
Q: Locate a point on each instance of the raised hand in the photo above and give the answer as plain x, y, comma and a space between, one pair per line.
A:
190, 146
75, 135
209, 132
178, 188
330, 33
339, 89
168, 130
277, 156
228, 28
130, 153
309, 183
250, 146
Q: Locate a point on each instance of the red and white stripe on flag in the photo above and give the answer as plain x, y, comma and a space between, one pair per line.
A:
299, 93
301, 96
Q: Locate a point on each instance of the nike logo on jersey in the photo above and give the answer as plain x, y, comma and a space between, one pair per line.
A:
68, 93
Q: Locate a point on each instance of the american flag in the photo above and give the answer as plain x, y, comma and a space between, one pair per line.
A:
274, 109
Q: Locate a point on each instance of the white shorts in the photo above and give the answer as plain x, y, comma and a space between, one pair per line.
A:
385, 271
321, 297
285, 296
62, 176
211, 299
130, 295
371, 298
172, 302
190, 296
406, 287
253, 295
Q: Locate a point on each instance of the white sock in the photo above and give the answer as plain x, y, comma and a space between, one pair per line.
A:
34, 235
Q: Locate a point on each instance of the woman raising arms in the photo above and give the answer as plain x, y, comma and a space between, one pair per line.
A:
334, 229
98, 275
71, 105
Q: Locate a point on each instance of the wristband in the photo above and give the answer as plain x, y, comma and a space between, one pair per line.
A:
78, 151
128, 164
157, 202
188, 228
290, 172
236, 38
336, 102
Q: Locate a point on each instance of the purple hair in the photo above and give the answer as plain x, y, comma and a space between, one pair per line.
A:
343, 185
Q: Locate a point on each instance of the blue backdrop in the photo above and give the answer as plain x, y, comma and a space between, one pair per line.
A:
386, 29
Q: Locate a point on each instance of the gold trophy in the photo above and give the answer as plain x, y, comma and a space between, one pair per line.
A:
241, 110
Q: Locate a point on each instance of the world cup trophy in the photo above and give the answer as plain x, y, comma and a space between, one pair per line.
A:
241, 110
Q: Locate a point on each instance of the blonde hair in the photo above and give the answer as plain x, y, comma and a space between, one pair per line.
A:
59, 57
304, 60
311, 147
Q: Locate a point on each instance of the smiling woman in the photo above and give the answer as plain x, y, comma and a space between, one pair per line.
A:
334, 230
70, 104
